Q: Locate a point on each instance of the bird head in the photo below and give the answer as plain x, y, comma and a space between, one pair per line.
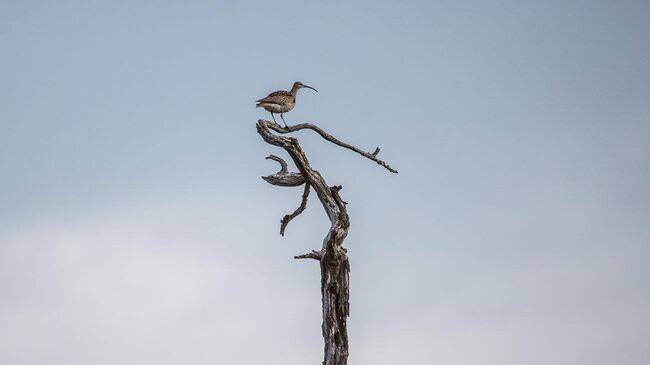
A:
299, 85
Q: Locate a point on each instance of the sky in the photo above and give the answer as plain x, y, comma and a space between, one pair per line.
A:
135, 227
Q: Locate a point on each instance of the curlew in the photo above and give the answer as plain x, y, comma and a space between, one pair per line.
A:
282, 101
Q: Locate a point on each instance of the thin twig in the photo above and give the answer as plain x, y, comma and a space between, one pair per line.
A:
316, 255
303, 204
283, 163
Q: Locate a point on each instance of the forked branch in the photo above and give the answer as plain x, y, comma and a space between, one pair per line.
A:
292, 128
283, 177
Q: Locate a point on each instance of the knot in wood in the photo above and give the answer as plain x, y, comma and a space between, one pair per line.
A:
332, 286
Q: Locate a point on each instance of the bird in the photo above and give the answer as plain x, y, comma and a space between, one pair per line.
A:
281, 101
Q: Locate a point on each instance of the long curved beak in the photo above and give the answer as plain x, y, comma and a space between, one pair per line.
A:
309, 87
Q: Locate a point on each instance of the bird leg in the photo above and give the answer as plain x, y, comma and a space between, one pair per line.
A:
272, 116
285, 123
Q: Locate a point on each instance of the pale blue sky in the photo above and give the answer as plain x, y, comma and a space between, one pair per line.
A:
135, 228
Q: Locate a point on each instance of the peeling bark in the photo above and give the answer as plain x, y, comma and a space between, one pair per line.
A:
334, 263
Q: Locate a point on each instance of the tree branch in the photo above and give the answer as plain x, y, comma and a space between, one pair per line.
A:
292, 128
284, 177
316, 255
283, 163
303, 204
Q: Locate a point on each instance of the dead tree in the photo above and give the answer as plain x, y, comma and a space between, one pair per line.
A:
334, 264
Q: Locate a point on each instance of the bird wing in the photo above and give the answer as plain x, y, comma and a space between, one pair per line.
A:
274, 97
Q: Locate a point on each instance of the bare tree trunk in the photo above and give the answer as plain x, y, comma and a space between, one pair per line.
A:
334, 264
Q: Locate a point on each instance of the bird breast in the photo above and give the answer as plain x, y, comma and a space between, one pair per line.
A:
278, 108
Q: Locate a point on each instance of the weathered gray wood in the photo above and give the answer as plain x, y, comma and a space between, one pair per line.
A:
303, 204
292, 128
283, 177
334, 263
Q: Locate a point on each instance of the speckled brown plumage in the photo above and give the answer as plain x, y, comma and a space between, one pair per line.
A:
281, 101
